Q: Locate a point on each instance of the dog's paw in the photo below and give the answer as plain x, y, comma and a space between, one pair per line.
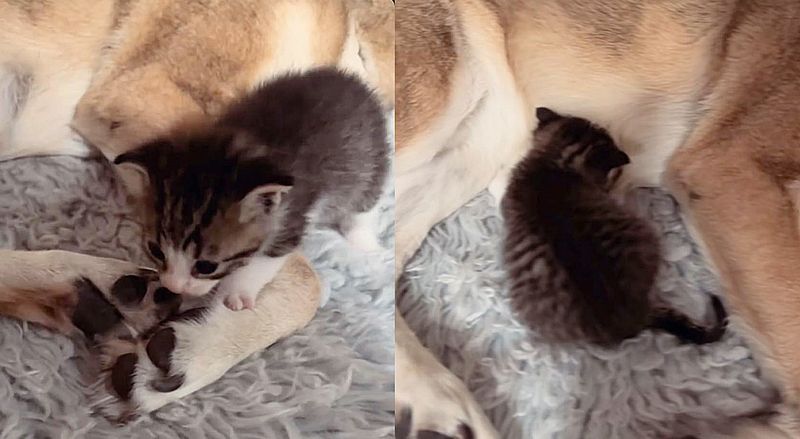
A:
126, 305
404, 430
195, 348
439, 407
180, 357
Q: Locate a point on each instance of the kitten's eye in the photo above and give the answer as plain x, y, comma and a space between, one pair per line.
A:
155, 251
205, 267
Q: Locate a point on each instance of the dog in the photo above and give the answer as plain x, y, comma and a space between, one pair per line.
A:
85, 78
701, 94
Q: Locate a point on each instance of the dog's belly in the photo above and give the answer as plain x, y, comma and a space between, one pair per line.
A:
644, 88
649, 127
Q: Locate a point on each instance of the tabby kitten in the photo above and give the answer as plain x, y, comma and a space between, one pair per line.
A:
229, 200
581, 266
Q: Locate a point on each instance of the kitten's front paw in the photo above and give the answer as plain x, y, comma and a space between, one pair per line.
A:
240, 289
238, 302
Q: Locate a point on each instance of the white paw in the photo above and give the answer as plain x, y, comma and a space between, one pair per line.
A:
238, 302
240, 289
196, 347
143, 375
364, 239
438, 406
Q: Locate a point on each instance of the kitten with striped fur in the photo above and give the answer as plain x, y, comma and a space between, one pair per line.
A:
228, 201
581, 267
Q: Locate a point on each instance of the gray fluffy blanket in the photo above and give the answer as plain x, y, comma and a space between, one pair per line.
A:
452, 295
333, 379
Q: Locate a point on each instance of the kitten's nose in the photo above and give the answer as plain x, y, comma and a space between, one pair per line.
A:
174, 283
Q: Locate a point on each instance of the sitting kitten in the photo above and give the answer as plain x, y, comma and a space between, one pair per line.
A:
582, 267
230, 200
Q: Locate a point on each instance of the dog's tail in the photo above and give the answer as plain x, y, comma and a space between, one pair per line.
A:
681, 326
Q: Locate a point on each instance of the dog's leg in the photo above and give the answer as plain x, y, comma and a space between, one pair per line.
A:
453, 138
451, 181
66, 291
439, 401
48, 52
746, 222
199, 346
41, 124
429, 399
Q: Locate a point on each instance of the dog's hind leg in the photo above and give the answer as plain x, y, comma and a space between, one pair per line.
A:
731, 183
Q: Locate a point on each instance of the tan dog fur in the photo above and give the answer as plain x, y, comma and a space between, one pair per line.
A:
374, 30
140, 66
166, 62
701, 94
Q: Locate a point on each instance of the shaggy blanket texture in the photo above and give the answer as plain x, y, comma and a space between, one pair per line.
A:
333, 379
453, 297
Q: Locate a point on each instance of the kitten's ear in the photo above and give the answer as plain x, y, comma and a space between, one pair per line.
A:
608, 158
617, 158
133, 167
546, 115
262, 200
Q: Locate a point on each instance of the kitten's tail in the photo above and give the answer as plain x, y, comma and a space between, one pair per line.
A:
679, 325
